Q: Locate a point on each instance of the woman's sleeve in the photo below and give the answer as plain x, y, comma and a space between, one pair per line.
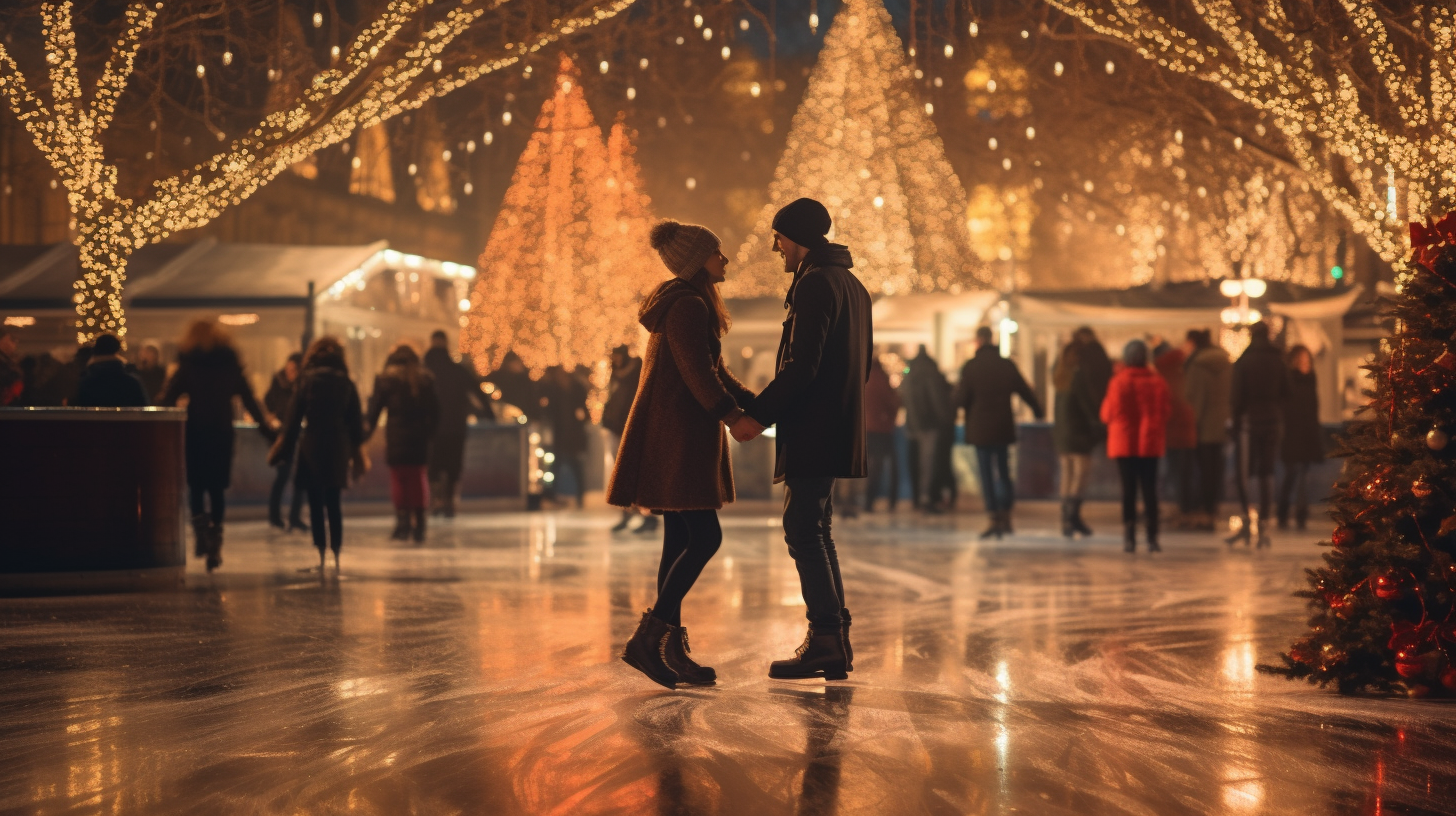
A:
686, 330
376, 403
742, 394
176, 387
353, 418
297, 407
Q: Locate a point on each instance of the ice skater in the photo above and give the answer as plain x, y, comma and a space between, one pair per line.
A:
817, 401
673, 457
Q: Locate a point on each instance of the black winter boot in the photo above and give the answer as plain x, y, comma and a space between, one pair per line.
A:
214, 547
401, 526
1129, 536
1005, 522
994, 529
688, 670
200, 525
1068, 530
820, 655
419, 530
647, 650
848, 649
1078, 524
621, 526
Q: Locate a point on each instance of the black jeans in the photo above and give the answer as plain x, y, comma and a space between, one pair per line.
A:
1140, 472
689, 540
324, 502
1295, 486
993, 464
1255, 448
881, 452
808, 517
1182, 475
281, 474
1210, 476
198, 496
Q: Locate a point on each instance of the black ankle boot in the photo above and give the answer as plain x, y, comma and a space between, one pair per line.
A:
646, 651
621, 526
1129, 537
688, 670
1005, 522
820, 655
419, 530
994, 529
848, 649
214, 547
1067, 529
401, 526
1078, 525
200, 534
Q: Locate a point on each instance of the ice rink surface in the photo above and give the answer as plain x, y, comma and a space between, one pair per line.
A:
478, 674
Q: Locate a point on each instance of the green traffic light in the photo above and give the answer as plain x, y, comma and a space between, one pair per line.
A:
1337, 272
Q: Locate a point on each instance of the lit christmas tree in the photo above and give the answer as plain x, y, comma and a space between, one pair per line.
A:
568, 257
864, 145
1385, 601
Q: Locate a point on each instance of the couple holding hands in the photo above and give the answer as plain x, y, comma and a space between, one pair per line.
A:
674, 457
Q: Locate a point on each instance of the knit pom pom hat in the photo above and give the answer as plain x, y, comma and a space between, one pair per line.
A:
684, 248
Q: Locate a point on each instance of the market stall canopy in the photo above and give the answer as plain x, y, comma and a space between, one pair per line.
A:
203, 274
1187, 303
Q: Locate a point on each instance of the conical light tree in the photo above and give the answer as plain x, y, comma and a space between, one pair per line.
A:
568, 257
864, 145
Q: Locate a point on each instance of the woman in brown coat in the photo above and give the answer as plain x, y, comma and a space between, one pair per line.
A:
674, 453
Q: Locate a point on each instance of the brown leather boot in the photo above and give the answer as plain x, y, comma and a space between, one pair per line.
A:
688, 670
820, 655
647, 651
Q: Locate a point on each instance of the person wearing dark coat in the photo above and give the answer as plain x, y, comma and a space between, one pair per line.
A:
1076, 428
988, 382
106, 383
882, 410
563, 405
458, 391
673, 457
1207, 382
925, 393
150, 371
513, 382
1182, 442
276, 399
1135, 411
325, 426
211, 375
1260, 388
1303, 438
817, 400
626, 374
407, 392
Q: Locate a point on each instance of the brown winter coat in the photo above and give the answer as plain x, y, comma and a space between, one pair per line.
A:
674, 451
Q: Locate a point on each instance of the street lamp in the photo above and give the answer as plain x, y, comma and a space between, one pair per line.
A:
1239, 290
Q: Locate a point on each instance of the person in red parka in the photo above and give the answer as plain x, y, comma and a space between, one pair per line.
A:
1135, 412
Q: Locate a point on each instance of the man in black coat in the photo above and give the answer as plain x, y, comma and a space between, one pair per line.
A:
988, 381
817, 402
458, 391
278, 399
1260, 387
106, 383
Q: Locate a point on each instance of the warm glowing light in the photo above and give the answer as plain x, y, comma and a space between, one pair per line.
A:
237, 319
19, 321
1230, 288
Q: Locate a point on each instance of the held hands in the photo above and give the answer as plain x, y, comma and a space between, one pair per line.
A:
745, 428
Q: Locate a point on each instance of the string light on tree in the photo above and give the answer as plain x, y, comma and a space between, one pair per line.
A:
378, 75
860, 134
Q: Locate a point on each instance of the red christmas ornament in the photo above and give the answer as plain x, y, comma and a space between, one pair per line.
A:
1433, 247
1387, 588
1343, 537
1421, 488
1448, 679
1409, 665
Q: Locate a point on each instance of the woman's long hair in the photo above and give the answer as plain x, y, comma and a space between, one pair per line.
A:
406, 364
204, 335
709, 291
1291, 359
325, 352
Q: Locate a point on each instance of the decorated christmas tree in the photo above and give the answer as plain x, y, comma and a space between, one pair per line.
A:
568, 259
1384, 602
864, 145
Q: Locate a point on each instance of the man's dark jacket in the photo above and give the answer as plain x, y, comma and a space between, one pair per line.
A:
817, 397
988, 381
1260, 386
107, 384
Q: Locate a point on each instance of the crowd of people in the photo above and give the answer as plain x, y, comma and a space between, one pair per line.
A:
1163, 412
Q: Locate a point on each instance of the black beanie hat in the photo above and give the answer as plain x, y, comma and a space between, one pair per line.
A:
805, 222
107, 344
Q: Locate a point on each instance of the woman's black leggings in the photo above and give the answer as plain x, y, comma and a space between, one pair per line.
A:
1139, 472
321, 501
689, 539
198, 496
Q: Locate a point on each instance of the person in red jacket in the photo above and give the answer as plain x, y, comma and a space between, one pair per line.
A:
1135, 412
